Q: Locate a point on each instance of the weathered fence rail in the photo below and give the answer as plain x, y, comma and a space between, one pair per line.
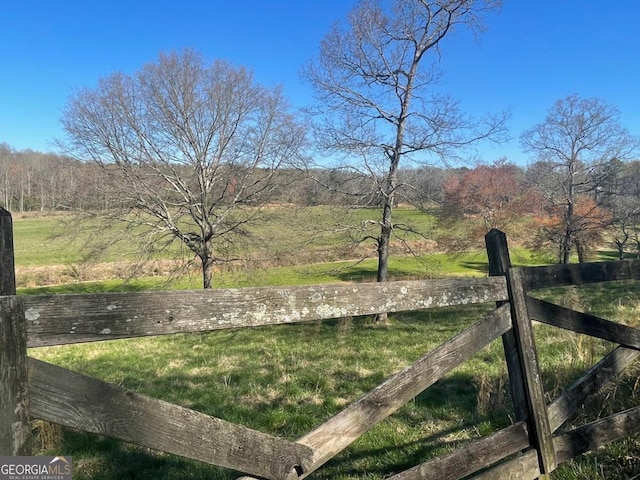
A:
529, 448
63, 319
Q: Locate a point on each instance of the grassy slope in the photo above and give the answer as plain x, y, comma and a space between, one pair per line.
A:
287, 379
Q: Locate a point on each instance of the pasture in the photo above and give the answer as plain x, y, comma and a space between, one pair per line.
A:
286, 379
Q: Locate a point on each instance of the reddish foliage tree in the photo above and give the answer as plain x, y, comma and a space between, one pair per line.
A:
488, 196
492, 193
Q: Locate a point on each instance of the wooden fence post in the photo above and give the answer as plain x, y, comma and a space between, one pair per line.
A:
14, 404
525, 349
539, 428
499, 263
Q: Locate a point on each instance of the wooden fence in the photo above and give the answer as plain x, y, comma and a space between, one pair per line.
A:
529, 448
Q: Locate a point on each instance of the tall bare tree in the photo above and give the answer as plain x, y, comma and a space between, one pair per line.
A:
577, 139
378, 100
622, 196
187, 150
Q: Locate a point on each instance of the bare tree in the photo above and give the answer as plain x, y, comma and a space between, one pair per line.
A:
623, 199
188, 151
578, 137
376, 82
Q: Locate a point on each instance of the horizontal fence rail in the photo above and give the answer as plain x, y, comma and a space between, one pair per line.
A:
65, 319
580, 273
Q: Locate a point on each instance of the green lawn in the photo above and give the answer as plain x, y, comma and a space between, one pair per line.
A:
37, 241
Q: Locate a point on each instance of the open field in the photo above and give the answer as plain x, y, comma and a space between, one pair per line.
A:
299, 245
286, 379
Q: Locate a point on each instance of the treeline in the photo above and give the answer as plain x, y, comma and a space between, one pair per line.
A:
35, 181
602, 206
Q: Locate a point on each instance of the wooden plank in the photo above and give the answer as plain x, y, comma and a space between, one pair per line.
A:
74, 400
580, 273
15, 428
347, 426
522, 467
569, 445
593, 381
469, 459
539, 422
499, 263
14, 401
597, 434
7, 257
63, 319
585, 323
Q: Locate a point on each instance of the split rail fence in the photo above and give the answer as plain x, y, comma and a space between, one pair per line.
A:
529, 448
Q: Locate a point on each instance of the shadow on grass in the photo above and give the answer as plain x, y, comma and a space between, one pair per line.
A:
356, 274
480, 267
441, 418
455, 395
444, 417
608, 255
101, 458
369, 275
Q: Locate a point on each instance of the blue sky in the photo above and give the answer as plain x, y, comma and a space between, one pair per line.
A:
534, 53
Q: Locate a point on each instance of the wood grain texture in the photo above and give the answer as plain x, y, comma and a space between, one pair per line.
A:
347, 426
585, 323
567, 446
541, 435
580, 273
7, 255
522, 467
475, 456
74, 400
597, 434
590, 383
499, 264
15, 429
63, 319
14, 401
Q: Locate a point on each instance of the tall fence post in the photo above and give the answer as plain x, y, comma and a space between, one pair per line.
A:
539, 428
499, 263
14, 404
523, 354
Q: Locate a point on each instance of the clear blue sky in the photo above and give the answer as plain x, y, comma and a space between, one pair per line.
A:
534, 53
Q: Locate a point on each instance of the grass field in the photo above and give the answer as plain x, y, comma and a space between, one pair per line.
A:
50, 254
287, 379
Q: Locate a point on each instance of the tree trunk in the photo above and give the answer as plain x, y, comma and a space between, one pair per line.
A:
383, 244
568, 234
620, 248
580, 250
383, 264
207, 271
385, 234
566, 247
